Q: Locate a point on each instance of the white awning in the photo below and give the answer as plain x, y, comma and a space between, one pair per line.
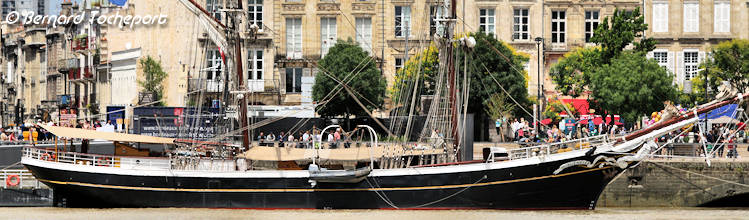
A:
724, 120
101, 135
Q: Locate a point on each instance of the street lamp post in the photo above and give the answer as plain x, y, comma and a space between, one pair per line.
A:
707, 80
539, 41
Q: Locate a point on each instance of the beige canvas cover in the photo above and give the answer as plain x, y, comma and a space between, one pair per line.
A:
109, 136
348, 154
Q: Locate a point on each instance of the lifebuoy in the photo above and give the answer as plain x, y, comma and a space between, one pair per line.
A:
48, 157
103, 161
12, 180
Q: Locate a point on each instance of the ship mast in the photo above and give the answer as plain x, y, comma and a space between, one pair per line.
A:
451, 77
242, 111
232, 32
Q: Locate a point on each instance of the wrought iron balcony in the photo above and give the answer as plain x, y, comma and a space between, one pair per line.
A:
76, 74
64, 65
206, 85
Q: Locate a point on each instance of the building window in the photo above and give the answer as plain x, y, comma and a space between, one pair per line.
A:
435, 12
591, 23
691, 60
293, 38
722, 19
398, 64
662, 58
214, 7
402, 20
255, 12
40, 8
660, 17
327, 34
215, 65
293, 80
691, 17
8, 6
364, 33
520, 24
486, 20
558, 26
255, 64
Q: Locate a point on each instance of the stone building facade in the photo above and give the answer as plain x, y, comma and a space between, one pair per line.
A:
280, 54
686, 30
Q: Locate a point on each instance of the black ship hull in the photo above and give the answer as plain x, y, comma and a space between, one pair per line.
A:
532, 186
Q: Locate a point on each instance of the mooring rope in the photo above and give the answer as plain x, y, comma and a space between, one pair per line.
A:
390, 202
703, 175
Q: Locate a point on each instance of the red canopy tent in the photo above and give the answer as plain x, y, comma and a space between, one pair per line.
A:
546, 121
581, 105
597, 120
617, 120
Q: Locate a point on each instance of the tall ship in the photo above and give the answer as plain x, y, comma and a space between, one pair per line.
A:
146, 171
265, 177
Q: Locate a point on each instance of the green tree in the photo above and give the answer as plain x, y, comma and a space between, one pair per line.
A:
729, 63
498, 108
555, 107
625, 27
572, 73
344, 61
154, 78
618, 80
511, 75
424, 67
631, 85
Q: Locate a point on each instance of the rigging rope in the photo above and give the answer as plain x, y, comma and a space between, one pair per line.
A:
509, 95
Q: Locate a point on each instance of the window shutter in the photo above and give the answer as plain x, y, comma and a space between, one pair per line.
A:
298, 38
656, 17
680, 68
717, 18
289, 38
671, 63
691, 15
664, 17
407, 20
650, 55
725, 15
687, 18
282, 75
700, 57
660, 17
695, 17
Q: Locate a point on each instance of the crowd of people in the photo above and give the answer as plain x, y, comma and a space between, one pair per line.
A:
523, 132
305, 139
719, 142
35, 133
25, 133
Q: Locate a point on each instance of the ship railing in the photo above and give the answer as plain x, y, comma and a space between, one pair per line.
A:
18, 178
96, 160
350, 144
558, 147
308, 144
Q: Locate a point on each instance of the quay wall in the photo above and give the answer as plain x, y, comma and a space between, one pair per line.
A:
680, 183
15, 197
